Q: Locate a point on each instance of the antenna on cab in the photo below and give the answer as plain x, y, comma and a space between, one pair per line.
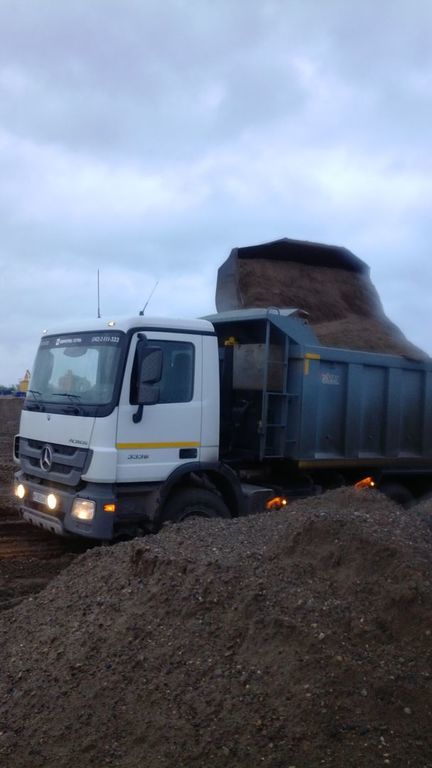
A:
151, 294
98, 296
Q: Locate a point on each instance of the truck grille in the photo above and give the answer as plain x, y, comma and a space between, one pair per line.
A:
67, 466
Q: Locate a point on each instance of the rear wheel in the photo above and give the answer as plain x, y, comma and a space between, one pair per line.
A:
194, 502
398, 493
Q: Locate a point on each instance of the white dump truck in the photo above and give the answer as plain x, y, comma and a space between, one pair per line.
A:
128, 424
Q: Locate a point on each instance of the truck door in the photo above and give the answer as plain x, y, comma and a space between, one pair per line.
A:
169, 432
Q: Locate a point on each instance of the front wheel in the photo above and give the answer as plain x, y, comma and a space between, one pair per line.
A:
194, 502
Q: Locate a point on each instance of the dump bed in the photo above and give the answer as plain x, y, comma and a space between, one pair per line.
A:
286, 396
351, 407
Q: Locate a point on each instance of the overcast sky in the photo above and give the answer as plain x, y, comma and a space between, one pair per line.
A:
147, 138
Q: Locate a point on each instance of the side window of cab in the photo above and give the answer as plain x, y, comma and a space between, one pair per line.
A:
176, 384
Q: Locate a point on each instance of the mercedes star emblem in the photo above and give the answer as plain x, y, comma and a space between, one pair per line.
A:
46, 458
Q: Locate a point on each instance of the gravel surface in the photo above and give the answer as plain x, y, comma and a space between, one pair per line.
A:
299, 638
295, 639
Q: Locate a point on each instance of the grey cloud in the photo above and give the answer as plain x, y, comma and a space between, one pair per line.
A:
150, 138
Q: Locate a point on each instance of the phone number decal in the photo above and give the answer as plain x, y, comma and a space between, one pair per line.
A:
105, 339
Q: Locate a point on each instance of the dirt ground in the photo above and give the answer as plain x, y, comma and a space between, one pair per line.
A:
299, 638
29, 558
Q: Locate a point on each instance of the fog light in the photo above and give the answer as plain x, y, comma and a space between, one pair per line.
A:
20, 491
51, 501
83, 509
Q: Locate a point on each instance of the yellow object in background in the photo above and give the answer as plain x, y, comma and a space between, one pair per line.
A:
23, 384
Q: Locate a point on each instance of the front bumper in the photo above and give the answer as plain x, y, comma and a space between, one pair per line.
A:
34, 508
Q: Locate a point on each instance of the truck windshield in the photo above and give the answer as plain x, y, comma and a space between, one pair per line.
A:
76, 369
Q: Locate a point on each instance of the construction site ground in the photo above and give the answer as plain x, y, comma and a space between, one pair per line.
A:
292, 639
29, 558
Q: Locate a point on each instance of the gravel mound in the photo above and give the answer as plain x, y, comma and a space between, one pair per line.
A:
299, 638
344, 306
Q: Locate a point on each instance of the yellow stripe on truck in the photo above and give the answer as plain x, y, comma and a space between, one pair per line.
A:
180, 444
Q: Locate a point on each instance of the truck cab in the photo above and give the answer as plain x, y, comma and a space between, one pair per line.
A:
117, 414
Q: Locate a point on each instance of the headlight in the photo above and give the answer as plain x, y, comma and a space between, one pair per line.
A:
20, 491
83, 509
51, 501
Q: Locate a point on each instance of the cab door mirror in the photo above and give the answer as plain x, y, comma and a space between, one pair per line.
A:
150, 362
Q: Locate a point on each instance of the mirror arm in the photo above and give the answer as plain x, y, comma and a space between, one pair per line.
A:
137, 416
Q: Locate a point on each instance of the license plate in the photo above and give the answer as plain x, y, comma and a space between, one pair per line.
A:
39, 497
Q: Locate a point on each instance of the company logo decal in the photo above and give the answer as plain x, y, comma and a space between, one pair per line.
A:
330, 378
46, 458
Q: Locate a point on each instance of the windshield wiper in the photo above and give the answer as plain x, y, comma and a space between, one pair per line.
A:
66, 394
77, 409
34, 392
36, 405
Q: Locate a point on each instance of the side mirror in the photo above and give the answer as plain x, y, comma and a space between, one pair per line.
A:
150, 360
147, 395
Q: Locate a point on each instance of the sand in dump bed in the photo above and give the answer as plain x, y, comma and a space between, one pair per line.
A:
300, 638
344, 307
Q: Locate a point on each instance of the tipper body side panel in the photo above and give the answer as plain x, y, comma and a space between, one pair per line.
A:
363, 407
292, 398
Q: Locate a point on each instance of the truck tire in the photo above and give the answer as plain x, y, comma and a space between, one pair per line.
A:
398, 493
194, 502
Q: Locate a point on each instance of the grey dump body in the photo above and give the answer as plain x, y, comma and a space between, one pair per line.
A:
285, 396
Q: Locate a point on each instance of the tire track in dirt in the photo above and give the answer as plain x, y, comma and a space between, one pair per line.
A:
18, 539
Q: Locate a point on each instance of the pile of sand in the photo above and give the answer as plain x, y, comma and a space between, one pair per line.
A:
343, 305
299, 638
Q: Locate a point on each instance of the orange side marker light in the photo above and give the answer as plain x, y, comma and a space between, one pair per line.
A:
366, 482
278, 502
